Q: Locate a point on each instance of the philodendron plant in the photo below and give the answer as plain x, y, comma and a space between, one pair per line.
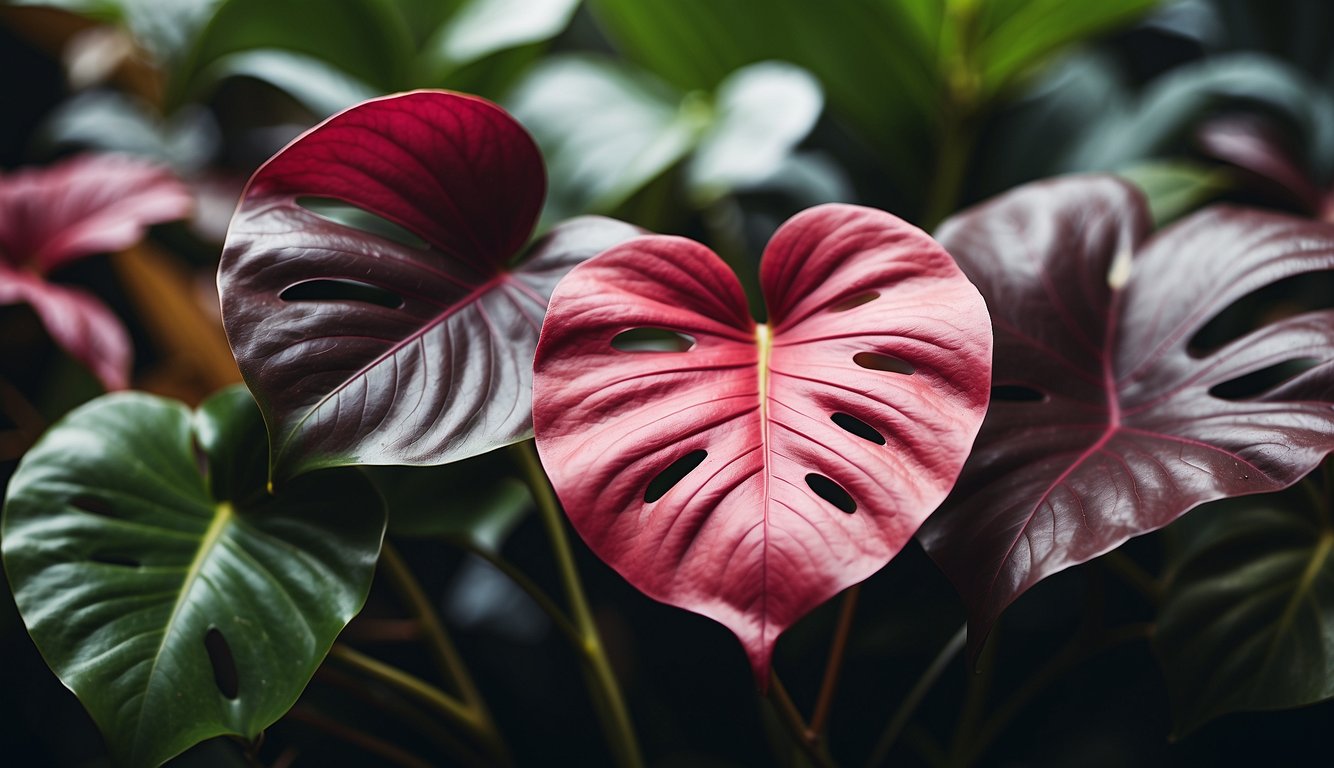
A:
388, 304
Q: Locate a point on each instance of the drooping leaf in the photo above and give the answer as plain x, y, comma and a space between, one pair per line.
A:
50, 217
1256, 146
409, 342
749, 472
1110, 417
1248, 620
176, 598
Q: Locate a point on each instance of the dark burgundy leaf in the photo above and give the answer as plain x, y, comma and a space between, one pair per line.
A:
1256, 146
86, 205
364, 348
749, 472
1118, 430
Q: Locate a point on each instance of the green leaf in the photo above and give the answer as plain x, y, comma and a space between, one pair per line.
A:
1248, 620
317, 85
366, 39
483, 27
604, 129
877, 59
165, 587
1175, 188
479, 500
762, 112
1017, 35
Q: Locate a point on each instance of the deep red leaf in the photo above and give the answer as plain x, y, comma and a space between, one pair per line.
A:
365, 349
764, 419
1109, 420
52, 216
85, 205
1256, 146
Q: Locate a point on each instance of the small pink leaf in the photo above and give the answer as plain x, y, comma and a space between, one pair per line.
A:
1110, 419
764, 468
77, 321
83, 206
403, 335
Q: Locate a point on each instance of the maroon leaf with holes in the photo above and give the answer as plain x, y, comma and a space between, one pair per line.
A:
750, 472
373, 348
50, 217
1116, 408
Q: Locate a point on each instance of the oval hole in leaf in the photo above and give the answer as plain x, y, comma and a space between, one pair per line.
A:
652, 340
673, 474
858, 427
118, 560
93, 505
878, 362
224, 664
831, 492
855, 301
1016, 393
1258, 382
342, 290
346, 215
1306, 292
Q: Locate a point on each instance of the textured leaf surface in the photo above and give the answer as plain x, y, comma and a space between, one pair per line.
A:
138, 535
416, 350
1248, 621
769, 415
1106, 423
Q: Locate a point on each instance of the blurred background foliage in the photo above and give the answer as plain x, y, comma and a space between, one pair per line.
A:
716, 119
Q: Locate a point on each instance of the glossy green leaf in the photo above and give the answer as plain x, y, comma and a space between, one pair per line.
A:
319, 86
1248, 620
165, 587
1016, 35
1174, 188
480, 28
366, 39
604, 129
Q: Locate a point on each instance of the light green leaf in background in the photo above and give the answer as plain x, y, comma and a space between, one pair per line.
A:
482, 27
164, 585
1177, 187
1248, 619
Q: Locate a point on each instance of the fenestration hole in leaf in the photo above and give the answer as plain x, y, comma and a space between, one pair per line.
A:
1258, 382
858, 427
1016, 393
1306, 292
117, 560
652, 340
342, 290
93, 505
831, 492
224, 664
855, 301
673, 474
877, 362
346, 215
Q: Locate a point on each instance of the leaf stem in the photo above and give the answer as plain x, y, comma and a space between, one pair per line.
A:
522, 581
979, 686
453, 710
1131, 573
796, 724
1074, 654
606, 692
823, 704
914, 698
372, 744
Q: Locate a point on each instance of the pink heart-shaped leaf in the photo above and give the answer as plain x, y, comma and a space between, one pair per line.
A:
751, 471
409, 339
1111, 415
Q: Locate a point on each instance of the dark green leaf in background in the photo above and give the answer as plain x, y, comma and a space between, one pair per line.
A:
1248, 621
166, 588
